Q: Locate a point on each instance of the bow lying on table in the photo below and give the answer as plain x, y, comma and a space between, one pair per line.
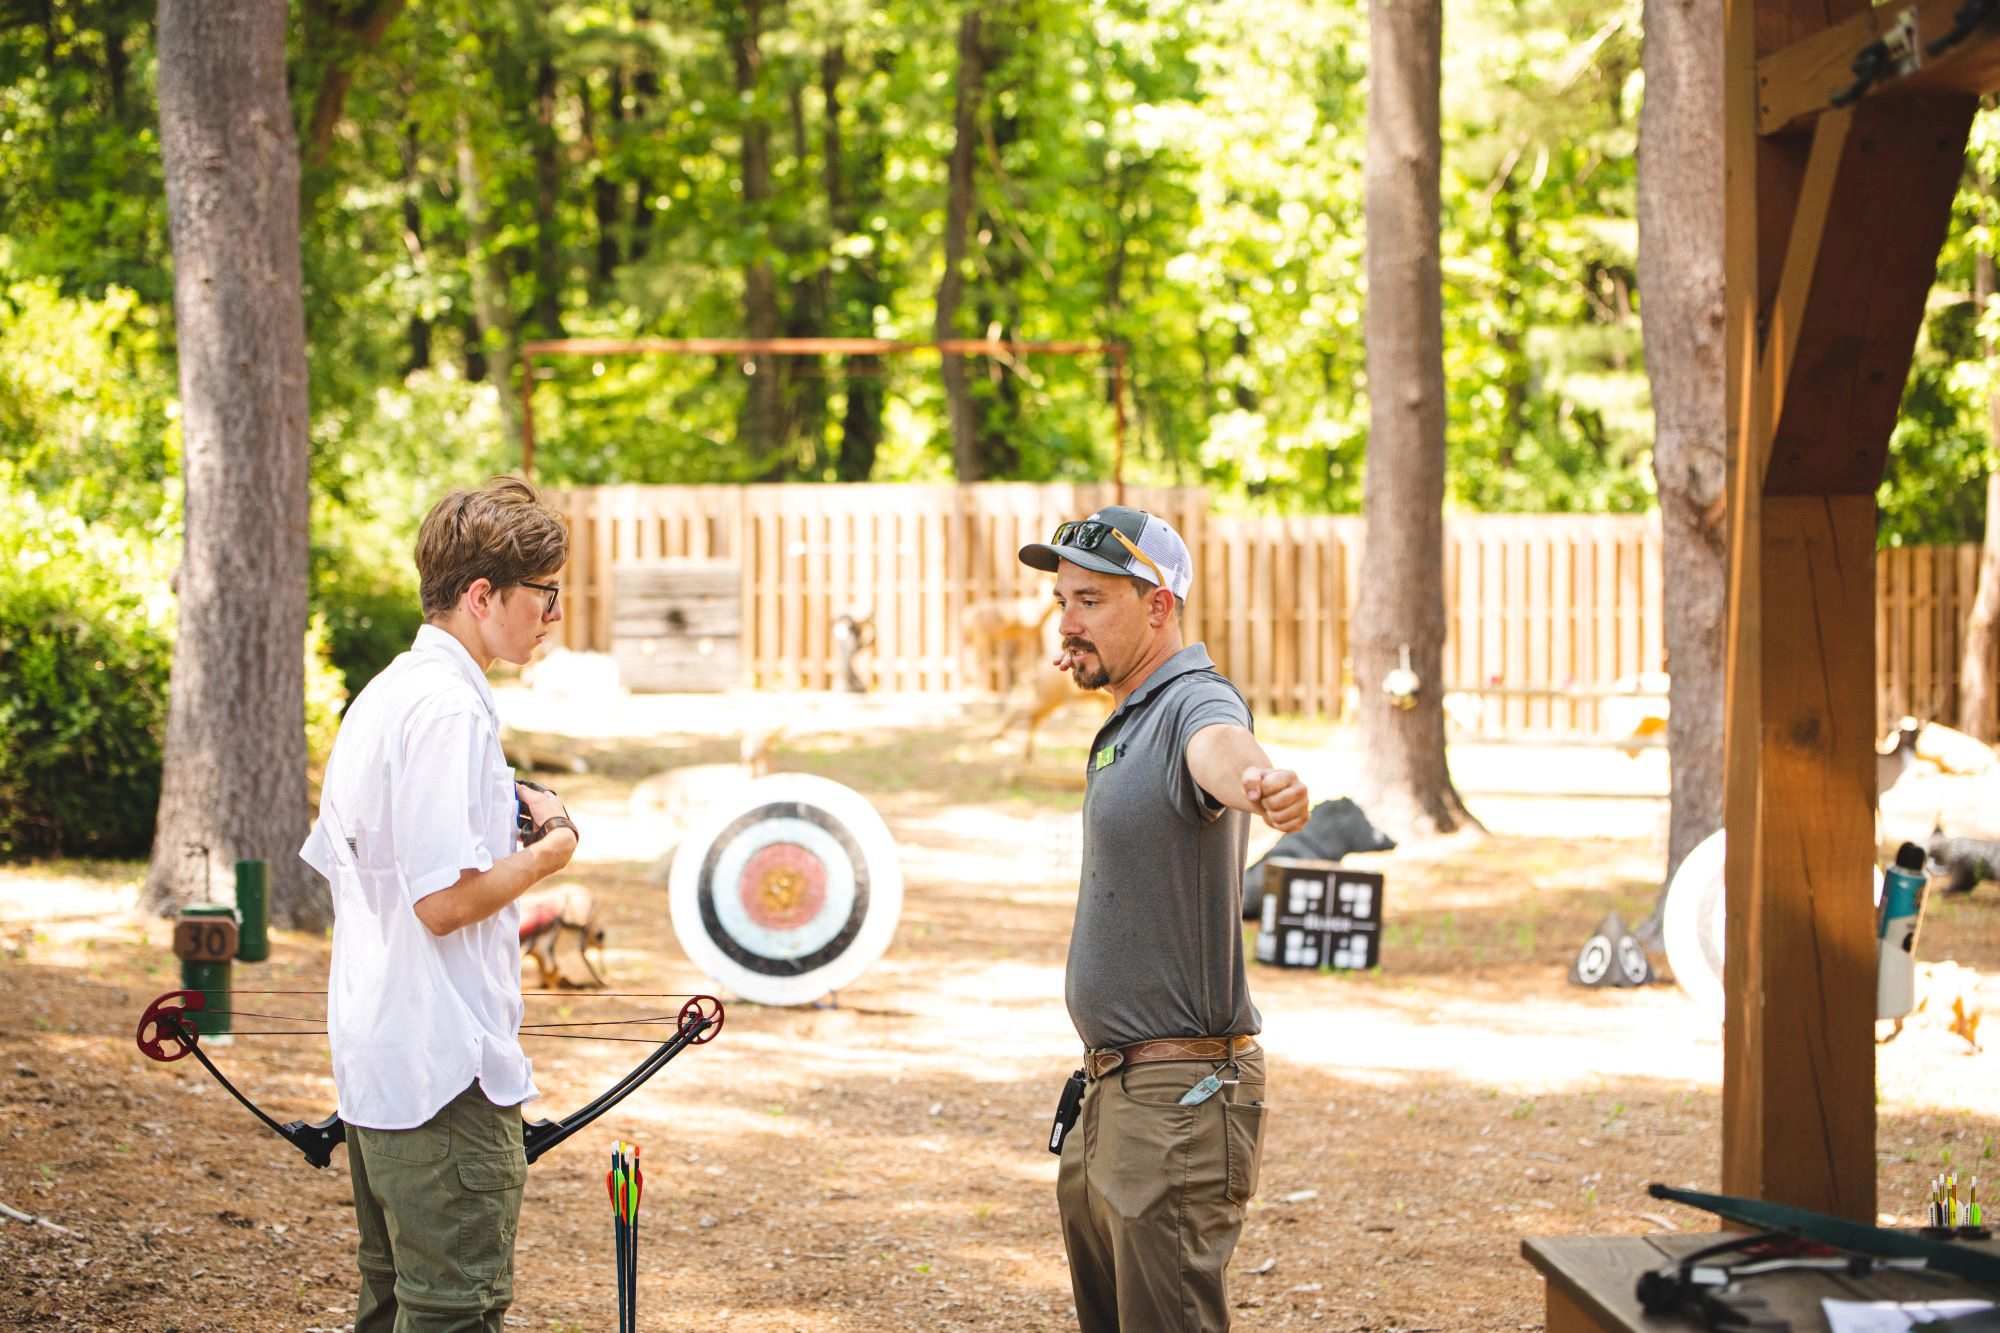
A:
168, 1033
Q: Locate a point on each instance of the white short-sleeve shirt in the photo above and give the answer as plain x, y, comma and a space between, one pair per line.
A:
417, 791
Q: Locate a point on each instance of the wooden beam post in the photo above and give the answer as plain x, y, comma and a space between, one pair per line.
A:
1832, 231
1799, 1092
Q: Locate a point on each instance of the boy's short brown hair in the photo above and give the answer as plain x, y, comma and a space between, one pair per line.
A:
504, 532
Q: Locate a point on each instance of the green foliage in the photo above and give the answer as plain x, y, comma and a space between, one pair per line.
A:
1182, 177
84, 651
1933, 489
326, 696
87, 412
366, 609
86, 632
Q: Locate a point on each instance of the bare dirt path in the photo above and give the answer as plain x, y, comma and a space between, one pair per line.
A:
880, 1165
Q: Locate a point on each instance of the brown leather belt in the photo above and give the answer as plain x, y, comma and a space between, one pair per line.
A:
1100, 1063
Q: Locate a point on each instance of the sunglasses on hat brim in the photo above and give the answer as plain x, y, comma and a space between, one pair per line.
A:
1089, 534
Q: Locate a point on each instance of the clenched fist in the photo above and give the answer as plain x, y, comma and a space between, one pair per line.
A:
1277, 795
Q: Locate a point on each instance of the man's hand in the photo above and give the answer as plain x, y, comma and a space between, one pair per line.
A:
1277, 795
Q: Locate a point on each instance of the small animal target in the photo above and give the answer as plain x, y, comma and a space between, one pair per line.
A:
788, 890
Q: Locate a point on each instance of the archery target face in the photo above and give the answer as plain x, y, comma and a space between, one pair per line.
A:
788, 891
1693, 926
1695, 923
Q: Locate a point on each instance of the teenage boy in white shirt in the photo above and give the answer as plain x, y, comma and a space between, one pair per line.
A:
417, 835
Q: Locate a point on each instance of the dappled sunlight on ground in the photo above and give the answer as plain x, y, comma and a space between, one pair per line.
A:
878, 1162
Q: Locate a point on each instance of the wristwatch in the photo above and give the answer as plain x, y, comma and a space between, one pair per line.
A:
541, 831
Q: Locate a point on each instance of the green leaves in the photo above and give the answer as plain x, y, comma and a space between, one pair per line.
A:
84, 653
1182, 177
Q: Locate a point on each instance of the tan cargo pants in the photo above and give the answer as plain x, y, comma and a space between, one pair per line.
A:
1152, 1192
437, 1208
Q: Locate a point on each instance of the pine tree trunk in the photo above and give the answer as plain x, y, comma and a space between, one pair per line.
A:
761, 427
413, 241
1975, 668
337, 38
604, 199
547, 152
806, 311
234, 785
493, 330
1680, 278
957, 216
1404, 783
860, 288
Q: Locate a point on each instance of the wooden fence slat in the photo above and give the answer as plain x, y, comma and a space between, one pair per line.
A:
1541, 714
1562, 630
1923, 589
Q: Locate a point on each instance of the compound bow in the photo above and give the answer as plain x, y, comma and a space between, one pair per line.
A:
167, 1033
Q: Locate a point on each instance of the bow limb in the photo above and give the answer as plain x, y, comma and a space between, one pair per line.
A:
316, 1141
700, 1021
166, 1033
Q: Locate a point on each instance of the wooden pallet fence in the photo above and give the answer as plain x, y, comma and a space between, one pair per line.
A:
1545, 613
1923, 598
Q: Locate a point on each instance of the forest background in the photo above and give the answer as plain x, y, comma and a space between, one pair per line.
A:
1180, 177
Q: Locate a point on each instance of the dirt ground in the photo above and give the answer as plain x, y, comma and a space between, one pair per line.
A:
881, 1165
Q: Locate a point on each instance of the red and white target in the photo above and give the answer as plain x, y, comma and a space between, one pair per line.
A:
788, 891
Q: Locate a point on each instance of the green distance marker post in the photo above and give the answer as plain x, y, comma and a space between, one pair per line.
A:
205, 939
253, 911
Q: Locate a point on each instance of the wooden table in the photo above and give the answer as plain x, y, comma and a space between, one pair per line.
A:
1591, 1281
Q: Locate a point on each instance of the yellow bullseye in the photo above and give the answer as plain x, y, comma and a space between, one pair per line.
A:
782, 891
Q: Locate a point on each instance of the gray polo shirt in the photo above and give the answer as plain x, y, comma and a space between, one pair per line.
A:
1157, 950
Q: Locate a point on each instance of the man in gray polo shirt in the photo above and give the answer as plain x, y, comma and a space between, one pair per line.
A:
1163, 1157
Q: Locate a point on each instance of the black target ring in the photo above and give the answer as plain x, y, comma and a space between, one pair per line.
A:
764, 965
787, 891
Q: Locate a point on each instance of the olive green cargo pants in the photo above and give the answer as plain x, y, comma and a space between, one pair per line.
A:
437, 1207
1152, 1193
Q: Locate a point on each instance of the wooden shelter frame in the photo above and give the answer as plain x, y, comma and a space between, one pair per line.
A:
1002, 349
1845, 128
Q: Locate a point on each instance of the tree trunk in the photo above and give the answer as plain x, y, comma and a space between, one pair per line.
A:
857, 289
761, 428
1975, 669
1513, 321
805, 315
548, 189
997, 305
639, 239
493, 331
957, 215
234, 785
604, 199
1681, 322
1405, 785
337, 37
413, 241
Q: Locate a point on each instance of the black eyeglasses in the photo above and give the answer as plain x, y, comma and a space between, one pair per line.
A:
554, 590
1089, 534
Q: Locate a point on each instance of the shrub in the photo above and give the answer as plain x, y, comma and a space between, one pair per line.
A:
86, 645
368, 612
84, 655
